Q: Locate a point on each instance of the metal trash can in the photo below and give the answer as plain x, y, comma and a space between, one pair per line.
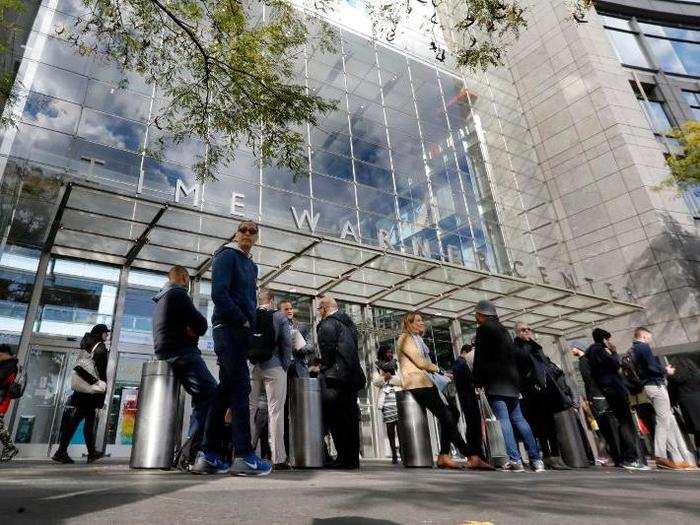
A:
305, 423
414, 434
155, 432
570, 440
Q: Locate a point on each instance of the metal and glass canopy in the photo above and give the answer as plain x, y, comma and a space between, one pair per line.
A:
104, 224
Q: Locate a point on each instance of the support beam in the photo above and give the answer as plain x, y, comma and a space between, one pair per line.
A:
113, 360
456, 336
143, 238
56, 224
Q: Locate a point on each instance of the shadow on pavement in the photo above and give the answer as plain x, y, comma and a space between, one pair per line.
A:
46, 491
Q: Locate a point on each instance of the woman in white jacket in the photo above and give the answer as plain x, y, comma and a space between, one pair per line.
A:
387, 379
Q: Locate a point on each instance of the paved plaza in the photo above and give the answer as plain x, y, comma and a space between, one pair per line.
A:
42, 492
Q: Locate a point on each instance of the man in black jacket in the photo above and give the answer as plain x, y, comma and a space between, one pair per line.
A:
496, 372
544, 393
341, 378
607, 422
604, 361
462, 376
177, 326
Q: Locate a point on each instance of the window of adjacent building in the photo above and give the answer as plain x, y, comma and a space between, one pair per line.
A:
625, 42
676, 49
654, 107
693, 100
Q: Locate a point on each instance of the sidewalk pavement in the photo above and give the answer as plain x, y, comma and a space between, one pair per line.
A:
380, 493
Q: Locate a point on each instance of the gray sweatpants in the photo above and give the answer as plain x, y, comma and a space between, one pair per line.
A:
665, 441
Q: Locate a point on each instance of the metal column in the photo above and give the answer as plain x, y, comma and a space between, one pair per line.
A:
456, 336
113, 361
28, 326
371, 342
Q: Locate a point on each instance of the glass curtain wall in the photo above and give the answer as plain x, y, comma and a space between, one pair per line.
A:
399, 160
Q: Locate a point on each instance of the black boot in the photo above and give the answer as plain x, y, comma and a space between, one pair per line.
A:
61, 456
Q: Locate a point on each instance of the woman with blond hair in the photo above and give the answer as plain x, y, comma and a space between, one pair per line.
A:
418, 376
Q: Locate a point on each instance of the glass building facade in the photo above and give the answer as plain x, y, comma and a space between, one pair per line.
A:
411, 158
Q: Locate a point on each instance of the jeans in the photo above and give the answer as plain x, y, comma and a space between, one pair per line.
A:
274, 381
194, 376
72, 416
429, 398
231, 348
507, 411
663, 444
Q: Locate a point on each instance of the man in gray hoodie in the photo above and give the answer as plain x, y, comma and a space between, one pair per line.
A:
271, 375
177, 326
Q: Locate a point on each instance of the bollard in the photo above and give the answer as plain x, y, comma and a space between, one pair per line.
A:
305, 423
414, 434
156, 418
570, 440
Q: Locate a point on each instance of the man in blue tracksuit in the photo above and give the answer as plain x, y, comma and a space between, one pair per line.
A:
234, 278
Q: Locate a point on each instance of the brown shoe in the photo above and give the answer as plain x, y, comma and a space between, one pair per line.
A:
476, 463
683, 465
446, 462
665, 464
282, 466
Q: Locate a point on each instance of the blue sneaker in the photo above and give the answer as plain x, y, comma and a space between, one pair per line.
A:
208, 463
250, 465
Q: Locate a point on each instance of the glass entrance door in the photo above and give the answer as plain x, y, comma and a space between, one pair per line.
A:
38, 412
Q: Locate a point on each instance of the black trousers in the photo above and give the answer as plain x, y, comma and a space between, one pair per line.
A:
72, 416
541, 419
472, 418
342, 415
429, 398
629, 442
391, 434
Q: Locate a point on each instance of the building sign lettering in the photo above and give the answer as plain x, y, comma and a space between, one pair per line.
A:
305, 220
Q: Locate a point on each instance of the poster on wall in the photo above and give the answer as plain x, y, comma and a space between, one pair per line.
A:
127, 415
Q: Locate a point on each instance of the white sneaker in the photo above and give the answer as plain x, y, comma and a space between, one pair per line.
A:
514, 466
538, 465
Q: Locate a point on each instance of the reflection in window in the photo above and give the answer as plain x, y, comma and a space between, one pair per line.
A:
670, 32
628, 49
657, 115
676, 57
17, 271
76, 296
111, 131
51, 113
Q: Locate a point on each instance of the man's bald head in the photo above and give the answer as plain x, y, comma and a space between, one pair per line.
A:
326, 305
179, 275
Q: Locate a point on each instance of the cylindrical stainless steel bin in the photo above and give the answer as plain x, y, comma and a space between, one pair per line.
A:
155, 433
305, 423
414, 434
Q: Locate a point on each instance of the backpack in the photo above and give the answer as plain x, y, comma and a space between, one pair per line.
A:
18, 386
263, 344
630, 373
